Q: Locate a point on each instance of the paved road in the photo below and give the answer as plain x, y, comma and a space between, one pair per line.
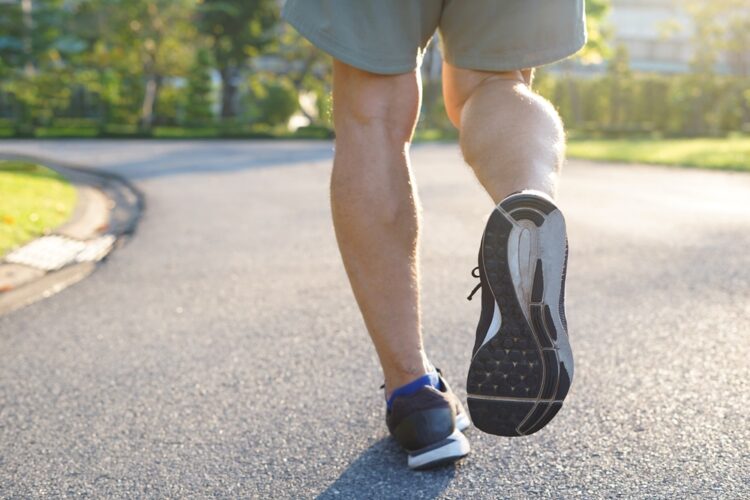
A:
219, 353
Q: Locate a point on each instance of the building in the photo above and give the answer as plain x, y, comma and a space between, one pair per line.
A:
656, 33
660, 34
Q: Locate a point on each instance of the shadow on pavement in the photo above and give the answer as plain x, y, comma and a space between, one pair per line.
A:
381, 472
199, 159
136, 160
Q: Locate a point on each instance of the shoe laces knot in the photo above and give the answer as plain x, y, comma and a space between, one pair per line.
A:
475, 273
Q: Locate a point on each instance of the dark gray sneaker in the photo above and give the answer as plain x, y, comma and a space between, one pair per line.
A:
428, 424
522, 364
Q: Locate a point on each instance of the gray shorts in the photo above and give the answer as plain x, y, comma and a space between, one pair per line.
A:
390, 36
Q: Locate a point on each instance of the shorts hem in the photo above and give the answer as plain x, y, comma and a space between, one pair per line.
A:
335, 49
518, 60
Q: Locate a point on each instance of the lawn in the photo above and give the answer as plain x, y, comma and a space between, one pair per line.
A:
33, 200
731, 153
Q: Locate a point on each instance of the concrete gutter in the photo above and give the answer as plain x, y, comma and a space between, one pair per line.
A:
105, 215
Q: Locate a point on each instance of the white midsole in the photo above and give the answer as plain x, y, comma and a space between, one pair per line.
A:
494, 327
462, 422
457, 446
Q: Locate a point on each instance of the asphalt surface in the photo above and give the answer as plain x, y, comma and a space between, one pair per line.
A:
220, 353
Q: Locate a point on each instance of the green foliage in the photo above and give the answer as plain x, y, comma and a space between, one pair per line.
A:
140, 43
34, 48
722, 28
308, 70
172, 104
721, 37
199, 89
33, 39
237, 30
38, 97
271, 102
122, 67
624, 103
596, 48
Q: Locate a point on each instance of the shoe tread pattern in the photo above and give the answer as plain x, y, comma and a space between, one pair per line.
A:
510, 364
515, 363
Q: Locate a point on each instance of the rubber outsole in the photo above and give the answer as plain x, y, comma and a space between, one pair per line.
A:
518, 379
449, 450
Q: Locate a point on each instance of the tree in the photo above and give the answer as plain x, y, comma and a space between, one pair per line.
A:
308, 69
721, 35
35, 49
33, 33
155, 36
595, 50
199, 88
161, 29
272, 101
238, 30
618, 82
597, 32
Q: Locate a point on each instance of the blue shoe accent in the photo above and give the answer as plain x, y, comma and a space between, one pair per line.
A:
431, 379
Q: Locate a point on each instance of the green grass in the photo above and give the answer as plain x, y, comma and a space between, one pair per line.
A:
33, 200
732, 153
435, 135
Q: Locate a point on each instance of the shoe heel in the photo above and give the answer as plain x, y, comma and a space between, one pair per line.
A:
511, 418
447, 451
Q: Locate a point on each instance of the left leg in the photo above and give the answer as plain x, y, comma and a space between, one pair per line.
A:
522, 365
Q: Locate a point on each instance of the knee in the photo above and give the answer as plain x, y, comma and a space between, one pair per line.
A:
460, 84
496, 99
374, 108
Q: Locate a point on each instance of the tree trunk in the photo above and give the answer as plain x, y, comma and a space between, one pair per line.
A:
298, 87
228, 92
149, 100
28, 24
310, 118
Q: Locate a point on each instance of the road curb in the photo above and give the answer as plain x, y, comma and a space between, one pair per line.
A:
106, 214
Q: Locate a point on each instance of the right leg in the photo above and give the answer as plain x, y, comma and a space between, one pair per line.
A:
375, 211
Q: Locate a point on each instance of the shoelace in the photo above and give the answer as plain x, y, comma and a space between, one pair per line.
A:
475, 273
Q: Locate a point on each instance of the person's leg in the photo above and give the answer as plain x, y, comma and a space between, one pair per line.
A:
522, 363
375, 211
510, 136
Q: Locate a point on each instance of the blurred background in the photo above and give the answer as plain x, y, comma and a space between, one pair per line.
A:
660, 81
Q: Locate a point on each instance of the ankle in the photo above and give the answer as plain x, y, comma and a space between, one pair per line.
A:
398, 378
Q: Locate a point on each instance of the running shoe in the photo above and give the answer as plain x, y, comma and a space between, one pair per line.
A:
427, 420
522, 365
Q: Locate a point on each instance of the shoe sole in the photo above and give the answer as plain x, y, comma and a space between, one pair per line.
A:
523, 369
462, 422
444, 452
